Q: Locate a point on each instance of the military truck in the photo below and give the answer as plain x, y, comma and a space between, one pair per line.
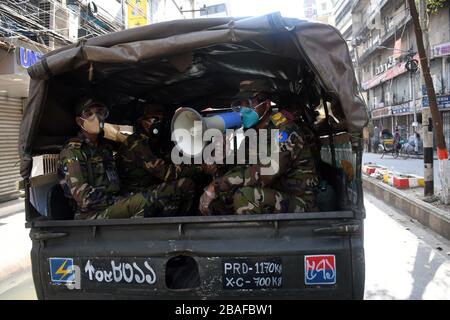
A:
197, 63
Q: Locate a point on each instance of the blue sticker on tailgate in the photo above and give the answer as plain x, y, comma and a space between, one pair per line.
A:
61, 270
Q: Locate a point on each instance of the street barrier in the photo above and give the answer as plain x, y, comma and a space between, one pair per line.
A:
392, 178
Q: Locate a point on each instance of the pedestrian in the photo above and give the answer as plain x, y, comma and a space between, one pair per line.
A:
375, 138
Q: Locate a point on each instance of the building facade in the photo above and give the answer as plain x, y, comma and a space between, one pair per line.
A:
384, 41
319, 10
342, 20
28, 30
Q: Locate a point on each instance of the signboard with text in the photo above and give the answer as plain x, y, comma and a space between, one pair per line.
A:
137, 13
406, 108
443, 102
389, 74
28, 57
441, 50
382, 112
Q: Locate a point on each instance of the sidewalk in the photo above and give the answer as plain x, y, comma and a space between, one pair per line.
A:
11, 207
434, 216
15, 243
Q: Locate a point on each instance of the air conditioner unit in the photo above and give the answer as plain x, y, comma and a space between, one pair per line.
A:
56, 18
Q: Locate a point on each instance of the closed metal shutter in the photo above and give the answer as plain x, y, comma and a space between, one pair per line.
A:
10, 117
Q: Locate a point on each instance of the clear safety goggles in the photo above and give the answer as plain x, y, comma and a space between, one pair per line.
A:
99, 111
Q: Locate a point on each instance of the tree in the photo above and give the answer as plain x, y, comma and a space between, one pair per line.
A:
442, 152
433, 6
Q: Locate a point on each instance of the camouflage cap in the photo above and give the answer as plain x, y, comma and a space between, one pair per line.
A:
152, 109
85, 103
250, 88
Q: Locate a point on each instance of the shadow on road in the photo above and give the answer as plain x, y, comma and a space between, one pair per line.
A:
424, 271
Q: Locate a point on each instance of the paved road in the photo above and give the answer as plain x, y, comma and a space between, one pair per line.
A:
403, 259
408, 166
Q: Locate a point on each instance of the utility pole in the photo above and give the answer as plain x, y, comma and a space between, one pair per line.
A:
436, 116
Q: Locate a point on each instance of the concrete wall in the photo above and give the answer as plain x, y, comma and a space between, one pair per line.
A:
439, 27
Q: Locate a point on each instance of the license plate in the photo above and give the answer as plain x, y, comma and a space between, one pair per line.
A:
252, 273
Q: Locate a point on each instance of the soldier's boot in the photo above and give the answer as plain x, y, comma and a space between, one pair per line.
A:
249, 200
126, 207
170, 198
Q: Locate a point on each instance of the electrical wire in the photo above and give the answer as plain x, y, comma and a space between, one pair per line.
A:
34, 13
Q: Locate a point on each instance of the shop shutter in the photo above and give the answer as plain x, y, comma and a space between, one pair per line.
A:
10, 117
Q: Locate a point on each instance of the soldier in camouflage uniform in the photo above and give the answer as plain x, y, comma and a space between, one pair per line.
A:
91, 179
245, 191
139, 168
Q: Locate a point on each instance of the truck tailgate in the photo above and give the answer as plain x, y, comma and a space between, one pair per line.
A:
310, 255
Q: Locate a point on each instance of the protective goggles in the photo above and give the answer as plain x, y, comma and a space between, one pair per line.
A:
153, 118
100, 111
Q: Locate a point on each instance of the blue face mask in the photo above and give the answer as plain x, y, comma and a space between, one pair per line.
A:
249, 117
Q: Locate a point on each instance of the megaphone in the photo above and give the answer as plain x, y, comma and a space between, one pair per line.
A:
188, 127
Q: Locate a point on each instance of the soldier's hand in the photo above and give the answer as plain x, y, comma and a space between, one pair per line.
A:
205, 200
111, 132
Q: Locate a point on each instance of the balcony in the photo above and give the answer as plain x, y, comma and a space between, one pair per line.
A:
389, 31
395, 24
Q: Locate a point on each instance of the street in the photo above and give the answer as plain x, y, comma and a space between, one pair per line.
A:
408, 166
403, 259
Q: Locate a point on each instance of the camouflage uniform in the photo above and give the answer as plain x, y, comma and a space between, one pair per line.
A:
139, 168
91, 179
291, 189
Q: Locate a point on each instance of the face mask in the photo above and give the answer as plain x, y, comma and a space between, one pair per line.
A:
91, 126
249, 117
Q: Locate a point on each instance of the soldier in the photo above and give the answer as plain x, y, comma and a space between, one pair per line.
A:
290, 189
139, 167
91, 179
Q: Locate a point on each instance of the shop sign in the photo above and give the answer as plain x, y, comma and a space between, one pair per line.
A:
382, 112
441, 50
28, 57
402, 108
386, 66
443, 102
406, 107
137, 13
389, 74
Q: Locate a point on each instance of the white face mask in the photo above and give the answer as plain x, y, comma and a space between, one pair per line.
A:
91, 126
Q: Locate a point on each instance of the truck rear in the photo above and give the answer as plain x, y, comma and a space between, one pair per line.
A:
311, 255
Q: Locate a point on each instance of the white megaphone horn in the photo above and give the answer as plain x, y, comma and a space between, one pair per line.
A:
188, 127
